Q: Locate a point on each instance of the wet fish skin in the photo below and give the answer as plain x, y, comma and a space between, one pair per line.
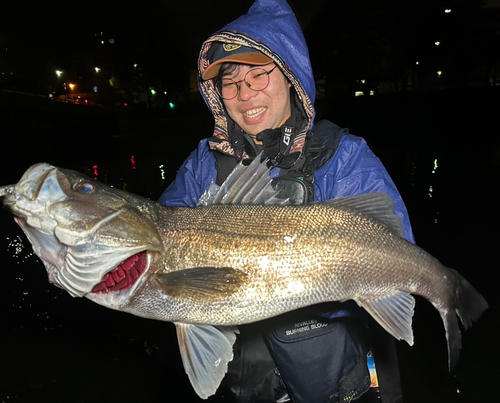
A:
225, 265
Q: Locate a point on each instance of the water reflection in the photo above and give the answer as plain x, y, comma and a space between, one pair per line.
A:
16, 246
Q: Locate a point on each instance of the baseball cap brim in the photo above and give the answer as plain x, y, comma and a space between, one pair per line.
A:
251, 57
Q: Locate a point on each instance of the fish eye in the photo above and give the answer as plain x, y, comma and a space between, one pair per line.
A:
85, 187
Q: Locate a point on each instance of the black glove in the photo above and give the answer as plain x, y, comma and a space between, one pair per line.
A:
271, 141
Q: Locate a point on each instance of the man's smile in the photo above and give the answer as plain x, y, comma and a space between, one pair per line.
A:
252, 113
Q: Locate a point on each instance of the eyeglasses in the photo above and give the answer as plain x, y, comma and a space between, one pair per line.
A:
256, 79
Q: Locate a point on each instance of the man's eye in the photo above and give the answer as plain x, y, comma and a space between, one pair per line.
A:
258, 76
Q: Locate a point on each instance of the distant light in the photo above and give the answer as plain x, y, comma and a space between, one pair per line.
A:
59, 73
153, 92
95, 88
417, 63
437, 43
439, 72
171, 105
97, 69
435, 166
447, 10
71, 86
358, 93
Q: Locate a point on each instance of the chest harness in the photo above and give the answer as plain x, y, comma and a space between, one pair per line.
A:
296, 176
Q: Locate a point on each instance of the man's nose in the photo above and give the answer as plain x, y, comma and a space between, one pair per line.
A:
245, 92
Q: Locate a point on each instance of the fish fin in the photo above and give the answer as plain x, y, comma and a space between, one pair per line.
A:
201, 282
394, 313
245, 185
377, 206
469, 305
205, 351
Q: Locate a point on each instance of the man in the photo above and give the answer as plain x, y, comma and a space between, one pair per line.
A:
256, 78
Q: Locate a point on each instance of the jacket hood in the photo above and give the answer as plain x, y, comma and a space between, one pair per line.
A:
270, 26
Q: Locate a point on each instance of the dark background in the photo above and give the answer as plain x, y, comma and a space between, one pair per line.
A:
437, 136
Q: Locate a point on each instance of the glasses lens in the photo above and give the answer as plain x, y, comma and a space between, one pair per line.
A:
257, 79
226, 88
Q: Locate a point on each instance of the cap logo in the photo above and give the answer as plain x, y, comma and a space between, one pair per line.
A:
230, 47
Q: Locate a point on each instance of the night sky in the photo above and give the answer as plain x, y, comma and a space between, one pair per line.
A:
51, 31
36, 36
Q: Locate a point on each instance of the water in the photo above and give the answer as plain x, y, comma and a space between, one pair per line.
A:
442, 150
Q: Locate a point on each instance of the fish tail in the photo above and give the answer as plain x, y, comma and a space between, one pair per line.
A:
468, 305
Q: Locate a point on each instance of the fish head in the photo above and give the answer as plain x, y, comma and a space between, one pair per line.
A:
92, 238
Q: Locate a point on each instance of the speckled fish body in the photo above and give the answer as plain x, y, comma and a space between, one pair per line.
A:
209, 268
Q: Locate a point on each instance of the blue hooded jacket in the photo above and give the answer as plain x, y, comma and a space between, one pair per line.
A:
270, 26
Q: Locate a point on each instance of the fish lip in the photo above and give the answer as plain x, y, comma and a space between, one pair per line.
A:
5, 191
119, 298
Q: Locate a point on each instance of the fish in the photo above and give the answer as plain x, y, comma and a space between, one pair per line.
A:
240, 256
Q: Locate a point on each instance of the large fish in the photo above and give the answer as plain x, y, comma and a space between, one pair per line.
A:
212, 267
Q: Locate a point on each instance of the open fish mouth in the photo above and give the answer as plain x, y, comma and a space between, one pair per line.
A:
124, 276
119, 285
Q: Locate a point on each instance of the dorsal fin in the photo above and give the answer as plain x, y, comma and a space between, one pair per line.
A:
245, 185
376, 206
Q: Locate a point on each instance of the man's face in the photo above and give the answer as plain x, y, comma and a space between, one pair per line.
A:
255, 111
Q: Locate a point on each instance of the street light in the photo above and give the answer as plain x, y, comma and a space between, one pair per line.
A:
59, 73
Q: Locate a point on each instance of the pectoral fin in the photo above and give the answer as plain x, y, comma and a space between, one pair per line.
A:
394, 313
201, 283
206, 351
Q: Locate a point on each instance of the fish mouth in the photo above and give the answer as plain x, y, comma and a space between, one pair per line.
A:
124, 276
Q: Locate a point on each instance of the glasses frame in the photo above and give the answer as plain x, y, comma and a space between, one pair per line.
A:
218, 87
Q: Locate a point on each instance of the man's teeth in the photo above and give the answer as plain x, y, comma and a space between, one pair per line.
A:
254, 112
